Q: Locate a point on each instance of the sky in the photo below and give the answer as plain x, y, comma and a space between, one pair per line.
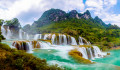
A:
28, 11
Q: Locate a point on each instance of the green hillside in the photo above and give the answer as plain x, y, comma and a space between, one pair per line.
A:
106, 36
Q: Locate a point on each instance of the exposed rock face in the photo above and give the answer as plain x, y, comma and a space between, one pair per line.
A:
49, 16
26, 45
73, 14
86, 15
54, 15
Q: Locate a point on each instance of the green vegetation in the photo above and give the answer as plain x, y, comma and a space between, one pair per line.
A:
75, 54
98, 33
13, 23
77, 24
12, 59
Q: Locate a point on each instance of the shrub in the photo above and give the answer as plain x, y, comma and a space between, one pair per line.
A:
20, 60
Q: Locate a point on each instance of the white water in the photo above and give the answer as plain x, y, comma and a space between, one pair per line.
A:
6, 32
9, 34
20, 34
36, 36
53, 39
81, 41
27, 36
84, 52
91, 54
98, 53
65, 40
30, 47
44, 45
61, 39
73, 41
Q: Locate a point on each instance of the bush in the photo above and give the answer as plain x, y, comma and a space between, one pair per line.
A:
20, 60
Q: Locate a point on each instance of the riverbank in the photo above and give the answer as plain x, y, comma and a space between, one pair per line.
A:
13, 59
115, 48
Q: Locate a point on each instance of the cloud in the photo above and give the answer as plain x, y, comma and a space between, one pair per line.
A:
102, 8
25, 10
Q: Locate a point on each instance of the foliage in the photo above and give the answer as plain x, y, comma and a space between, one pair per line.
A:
89, 29
1, 22
19, 60
13, 23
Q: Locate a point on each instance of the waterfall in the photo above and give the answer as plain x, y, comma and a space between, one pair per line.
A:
3, 31
20, 34
64, 40
97, 52
84, 52
89, 55
53, 38
30, 47
73, 41
90, 51
44, 45
6, 32
9, 34
36, 36
46, 36
27, 37
60, 39
81, 41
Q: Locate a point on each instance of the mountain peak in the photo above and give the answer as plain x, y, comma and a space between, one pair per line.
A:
87, 14
73, 11
98, 20
73, 14
55, 15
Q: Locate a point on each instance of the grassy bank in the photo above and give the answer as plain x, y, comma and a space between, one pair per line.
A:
12, 59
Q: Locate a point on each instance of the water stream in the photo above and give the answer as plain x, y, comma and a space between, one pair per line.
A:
56, 51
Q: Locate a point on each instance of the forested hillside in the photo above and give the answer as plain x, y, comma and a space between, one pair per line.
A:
75, 24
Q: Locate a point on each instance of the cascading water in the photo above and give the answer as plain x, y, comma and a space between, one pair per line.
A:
44, 45
91, 54
20, 34
87, 53
64, 40
27, 36
3, 31
36, 36
6, 32
30, 47
61, 39
84, 52
98, 53
81, 41
53, 39
73, 41
9, 34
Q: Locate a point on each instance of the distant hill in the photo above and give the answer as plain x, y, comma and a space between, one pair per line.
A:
55, 15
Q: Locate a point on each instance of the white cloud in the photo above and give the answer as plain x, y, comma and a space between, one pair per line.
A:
13, 8
102, 8
29, 10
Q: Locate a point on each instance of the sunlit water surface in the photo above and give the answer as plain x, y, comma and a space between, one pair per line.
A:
59, 55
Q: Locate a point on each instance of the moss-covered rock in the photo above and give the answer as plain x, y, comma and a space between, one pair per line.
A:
75, 54
45, 40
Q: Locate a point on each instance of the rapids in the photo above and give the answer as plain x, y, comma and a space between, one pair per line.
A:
55, 47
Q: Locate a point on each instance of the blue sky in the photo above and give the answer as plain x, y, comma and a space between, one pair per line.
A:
28, 11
